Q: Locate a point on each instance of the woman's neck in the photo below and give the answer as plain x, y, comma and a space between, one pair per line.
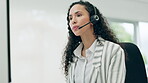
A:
88, 40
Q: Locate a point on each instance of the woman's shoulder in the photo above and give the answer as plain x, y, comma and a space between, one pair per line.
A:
108, 43
112, 43
115, 47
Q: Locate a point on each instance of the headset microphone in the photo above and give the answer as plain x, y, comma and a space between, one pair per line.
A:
84, 25
93, 19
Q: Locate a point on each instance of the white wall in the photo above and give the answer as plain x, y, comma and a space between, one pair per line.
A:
3, 43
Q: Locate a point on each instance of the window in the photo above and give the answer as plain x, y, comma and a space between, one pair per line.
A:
123, 30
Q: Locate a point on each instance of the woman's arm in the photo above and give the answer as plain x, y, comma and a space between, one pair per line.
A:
117, 69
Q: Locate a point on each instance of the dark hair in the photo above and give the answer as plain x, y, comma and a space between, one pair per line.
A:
101, 29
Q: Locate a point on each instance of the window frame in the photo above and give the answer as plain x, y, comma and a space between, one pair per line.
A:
135, 24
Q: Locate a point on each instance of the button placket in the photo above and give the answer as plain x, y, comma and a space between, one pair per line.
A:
85, 64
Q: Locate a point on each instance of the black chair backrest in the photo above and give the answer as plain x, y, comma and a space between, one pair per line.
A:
135, 68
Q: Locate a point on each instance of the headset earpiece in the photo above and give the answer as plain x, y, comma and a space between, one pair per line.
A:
95, 17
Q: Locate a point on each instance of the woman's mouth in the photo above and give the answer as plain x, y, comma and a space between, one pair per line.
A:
75, 28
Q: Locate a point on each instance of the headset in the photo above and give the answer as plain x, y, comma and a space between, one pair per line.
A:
93, 19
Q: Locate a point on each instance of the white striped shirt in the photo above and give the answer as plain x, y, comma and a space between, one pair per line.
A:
84, 64
108, 64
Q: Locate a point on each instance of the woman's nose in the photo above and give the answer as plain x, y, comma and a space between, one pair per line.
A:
74, 21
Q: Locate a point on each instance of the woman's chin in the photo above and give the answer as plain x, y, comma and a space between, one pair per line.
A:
77, 34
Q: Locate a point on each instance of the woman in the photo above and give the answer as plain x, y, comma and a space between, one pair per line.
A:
92, 54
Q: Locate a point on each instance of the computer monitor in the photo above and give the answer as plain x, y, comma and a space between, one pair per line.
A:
5, 73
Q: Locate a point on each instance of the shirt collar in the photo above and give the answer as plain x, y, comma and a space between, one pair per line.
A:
92, 47
77, 51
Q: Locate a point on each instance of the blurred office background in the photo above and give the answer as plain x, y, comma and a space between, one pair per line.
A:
38, 32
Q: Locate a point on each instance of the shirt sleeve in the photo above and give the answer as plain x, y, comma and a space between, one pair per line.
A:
117, 69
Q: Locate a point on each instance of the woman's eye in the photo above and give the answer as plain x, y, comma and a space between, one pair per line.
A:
79, 15
70, 18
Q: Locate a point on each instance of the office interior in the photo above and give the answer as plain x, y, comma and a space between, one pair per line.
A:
38, 34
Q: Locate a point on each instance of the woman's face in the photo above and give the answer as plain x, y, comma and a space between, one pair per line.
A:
78, 16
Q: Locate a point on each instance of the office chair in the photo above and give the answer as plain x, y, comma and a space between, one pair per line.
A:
135, 68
